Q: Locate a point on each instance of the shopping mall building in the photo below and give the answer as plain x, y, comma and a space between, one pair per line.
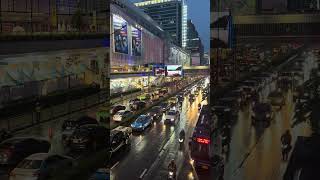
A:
136, 43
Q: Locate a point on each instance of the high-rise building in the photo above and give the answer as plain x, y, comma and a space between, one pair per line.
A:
194, 44
171, 15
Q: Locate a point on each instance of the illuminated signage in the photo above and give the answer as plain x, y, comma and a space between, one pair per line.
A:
120, 35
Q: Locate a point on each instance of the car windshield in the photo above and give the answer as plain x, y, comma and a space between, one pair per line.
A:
29, 164
171, 113
155, 109
69, 124
141, 119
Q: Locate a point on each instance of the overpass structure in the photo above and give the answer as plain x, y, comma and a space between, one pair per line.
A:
283, 26
196, 70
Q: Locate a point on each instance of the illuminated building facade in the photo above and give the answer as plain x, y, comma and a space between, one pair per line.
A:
171, 15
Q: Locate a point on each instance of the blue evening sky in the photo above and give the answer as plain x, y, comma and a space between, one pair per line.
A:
199, 13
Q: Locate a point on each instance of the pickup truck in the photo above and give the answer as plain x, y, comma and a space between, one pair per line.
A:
120, 137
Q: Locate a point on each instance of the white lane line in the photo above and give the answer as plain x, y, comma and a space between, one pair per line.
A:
143, 173
139, 142
115, 165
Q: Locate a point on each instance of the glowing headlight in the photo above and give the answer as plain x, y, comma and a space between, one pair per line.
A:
171, 173
268, 115
172, 119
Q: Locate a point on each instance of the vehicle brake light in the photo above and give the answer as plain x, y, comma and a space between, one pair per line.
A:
36, 173
203, 140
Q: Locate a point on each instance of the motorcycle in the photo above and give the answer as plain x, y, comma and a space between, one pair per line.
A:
171, 175
181, 138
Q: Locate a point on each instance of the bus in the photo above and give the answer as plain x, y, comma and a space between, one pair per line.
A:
203, 144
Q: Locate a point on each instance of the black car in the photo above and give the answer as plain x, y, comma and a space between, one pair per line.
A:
14, 150
119, 138
165, 106
156, 112
69, 126
262, 114
223, 114
138, 105
89, 138
231, 103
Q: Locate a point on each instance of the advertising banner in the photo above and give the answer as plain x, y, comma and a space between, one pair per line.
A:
136, 42
120, 35
174, 70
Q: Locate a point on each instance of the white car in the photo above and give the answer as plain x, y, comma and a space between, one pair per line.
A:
172, 116
122, 114
40, 166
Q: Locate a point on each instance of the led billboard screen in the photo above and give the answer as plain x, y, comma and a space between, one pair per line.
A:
159, 71
174, 70
120, 35
136, 41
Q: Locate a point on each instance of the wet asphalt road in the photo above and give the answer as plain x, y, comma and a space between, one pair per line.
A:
255, 152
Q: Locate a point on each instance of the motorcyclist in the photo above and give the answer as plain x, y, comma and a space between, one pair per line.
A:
286, 144
182, 135
199, 105
172, 167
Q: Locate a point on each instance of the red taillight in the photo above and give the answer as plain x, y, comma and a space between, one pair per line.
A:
36, 173
203, 140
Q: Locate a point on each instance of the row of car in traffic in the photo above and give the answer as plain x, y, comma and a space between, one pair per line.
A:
121, 112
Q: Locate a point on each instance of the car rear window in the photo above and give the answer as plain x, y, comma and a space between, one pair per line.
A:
69, 124
120, 113
171, 113
30, 164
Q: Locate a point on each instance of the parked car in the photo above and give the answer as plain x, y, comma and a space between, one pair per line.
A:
172, 116
121, 115
89, 138
262, 114
41, 166
69, 126
155, 112
141, 123
14, 150
117, 108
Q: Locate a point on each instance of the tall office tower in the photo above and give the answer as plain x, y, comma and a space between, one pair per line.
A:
194, 45
171, 15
